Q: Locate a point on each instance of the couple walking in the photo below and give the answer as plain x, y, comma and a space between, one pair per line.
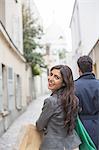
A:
68, 99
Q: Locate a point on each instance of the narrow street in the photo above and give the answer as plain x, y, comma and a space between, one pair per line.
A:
9, 138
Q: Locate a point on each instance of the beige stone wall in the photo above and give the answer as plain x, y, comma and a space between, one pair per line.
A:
10, 59
94, 54
29, 84
97, 59
13, 22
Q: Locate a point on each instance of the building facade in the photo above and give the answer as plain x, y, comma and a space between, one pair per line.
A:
15, 76
85, 31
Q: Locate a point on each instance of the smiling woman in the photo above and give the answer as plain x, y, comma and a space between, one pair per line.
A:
55, 80
59, 112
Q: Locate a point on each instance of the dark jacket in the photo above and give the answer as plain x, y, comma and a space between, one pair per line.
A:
52, 118
87, 90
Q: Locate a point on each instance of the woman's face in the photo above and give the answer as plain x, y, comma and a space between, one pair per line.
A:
55, 80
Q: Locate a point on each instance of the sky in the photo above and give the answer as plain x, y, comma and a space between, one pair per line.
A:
59, 11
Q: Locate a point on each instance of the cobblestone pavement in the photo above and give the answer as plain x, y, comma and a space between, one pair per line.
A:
9, 138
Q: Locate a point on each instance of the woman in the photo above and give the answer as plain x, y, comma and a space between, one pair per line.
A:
59, 112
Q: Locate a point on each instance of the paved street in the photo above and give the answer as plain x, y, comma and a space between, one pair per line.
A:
8, 140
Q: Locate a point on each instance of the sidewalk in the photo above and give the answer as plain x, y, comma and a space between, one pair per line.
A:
9, 138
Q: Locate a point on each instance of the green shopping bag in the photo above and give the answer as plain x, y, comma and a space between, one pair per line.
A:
87, 143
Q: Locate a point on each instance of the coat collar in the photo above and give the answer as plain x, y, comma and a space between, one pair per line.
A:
58, 92
87, 75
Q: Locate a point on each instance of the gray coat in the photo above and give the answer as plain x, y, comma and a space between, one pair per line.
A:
52, 120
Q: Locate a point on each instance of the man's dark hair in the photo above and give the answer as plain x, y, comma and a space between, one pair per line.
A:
85, 64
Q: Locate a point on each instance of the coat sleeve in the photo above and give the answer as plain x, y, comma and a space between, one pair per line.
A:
47, 112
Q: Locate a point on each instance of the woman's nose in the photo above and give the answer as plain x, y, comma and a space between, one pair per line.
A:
50, 78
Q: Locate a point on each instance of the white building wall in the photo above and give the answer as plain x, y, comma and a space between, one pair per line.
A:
10, 59
29, 84
84, 29
13, 22
89, 23
2, 11
14, 76
14, 91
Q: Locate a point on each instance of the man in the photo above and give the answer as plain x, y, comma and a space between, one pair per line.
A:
87, 90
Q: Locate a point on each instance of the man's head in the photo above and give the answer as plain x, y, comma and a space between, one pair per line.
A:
85, 64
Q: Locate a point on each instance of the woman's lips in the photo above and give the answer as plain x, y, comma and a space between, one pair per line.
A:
50, 84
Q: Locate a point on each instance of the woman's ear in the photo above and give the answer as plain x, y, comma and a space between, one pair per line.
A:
80, 73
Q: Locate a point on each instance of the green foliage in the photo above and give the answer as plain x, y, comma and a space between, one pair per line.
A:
35, 58
62, 54
31, 32
36, 69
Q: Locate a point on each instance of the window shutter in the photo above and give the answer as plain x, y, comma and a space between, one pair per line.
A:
18, 92
11, 102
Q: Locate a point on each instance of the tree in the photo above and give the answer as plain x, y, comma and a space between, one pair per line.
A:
62, 54
31, 32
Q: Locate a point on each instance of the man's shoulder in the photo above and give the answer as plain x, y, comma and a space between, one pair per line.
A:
79, 80
97, 82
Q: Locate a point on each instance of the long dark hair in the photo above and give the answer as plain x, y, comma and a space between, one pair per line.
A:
68, 98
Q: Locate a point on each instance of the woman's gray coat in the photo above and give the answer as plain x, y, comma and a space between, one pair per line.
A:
52, 120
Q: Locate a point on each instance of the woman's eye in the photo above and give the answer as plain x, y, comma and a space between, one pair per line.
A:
50, 74
56, 77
